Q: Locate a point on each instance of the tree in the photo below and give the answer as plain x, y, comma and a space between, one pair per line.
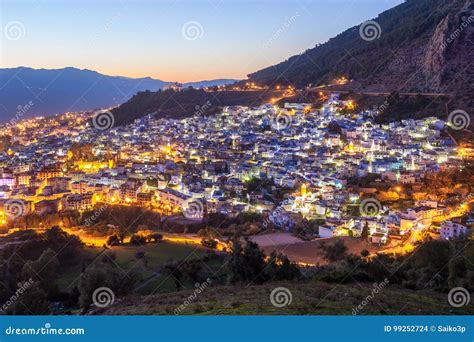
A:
137, 240
108, 275
43, 270
155, 237
209, 243
113, 240
235, 266
172, 268
192, 269
427, 267
33, 301
246, 264
457, 270
365, 231
64, 244
335, 251
281, 268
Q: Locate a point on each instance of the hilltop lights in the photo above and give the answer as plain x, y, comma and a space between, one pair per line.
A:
341, 80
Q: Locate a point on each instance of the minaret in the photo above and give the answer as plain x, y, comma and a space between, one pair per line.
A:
303, 190
370, 156
255, 151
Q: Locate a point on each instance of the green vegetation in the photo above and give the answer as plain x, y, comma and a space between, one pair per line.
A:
69, 276
248, 264
27, 256
108, 274
148, 264
62, 270
334, 251
396, 107
435, 265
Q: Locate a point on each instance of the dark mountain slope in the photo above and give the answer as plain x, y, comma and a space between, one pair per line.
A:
189, 102
424, 45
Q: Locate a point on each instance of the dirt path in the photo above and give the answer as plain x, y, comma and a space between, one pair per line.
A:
311, 253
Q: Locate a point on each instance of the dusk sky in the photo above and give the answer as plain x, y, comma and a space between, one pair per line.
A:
223, 39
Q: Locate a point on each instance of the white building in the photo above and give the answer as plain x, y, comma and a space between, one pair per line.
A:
327, 231
451, 229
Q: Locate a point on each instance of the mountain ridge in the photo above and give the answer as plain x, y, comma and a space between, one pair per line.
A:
27, 92
419, 45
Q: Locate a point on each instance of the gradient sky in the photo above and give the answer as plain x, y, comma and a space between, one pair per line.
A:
140, 38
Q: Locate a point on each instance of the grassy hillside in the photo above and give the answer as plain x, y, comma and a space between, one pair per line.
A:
187, 103
126, 259
315, 298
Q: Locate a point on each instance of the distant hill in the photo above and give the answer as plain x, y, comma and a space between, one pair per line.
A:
422, 46
61, 90
210, 83
33, 92
188, 102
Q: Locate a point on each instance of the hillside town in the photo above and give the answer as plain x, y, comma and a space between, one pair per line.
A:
292, 165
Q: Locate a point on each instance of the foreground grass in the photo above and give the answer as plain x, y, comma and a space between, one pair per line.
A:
126, 259
307, 299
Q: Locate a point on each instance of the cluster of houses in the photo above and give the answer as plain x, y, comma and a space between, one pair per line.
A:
313, 155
